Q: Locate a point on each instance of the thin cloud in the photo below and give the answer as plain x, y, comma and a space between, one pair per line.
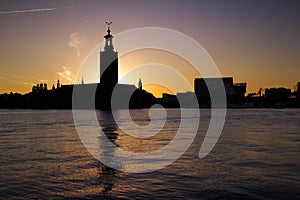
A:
28, 11
1, 78
77, 41
66, 74
36, 10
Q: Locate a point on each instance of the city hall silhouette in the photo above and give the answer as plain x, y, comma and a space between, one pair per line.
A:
109, 93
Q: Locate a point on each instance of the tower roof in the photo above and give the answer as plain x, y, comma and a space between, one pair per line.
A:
108, 30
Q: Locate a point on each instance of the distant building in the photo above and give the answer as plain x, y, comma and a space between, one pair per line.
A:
187, 99
40, 87
235, 92
239, 90
201, 89
58, 84
276, 93
297, 88
169, 101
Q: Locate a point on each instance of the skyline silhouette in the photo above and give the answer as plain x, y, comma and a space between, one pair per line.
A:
109, 94
255, 41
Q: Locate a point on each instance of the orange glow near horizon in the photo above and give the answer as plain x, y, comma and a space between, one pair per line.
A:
171, 69
157, 90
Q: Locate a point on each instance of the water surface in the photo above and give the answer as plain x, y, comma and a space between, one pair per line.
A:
256, 157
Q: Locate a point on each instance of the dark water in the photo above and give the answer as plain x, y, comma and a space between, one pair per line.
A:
256, 157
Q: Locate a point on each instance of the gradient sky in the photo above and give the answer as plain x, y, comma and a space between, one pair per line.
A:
254, 41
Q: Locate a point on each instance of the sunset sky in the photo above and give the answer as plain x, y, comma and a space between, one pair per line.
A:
255, 41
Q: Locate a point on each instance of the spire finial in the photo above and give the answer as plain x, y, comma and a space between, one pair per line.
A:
108, 24
108, 27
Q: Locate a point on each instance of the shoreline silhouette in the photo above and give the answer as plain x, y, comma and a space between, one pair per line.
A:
110, 95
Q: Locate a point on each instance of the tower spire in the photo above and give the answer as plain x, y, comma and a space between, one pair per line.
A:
140, 84
108, 39
82, 81
58, 83
108, 25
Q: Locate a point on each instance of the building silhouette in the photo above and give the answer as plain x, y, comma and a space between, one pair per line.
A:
297, 88
235, 92
58, 83
109, 91
276, 97
109, 94
187, 99
106, 95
